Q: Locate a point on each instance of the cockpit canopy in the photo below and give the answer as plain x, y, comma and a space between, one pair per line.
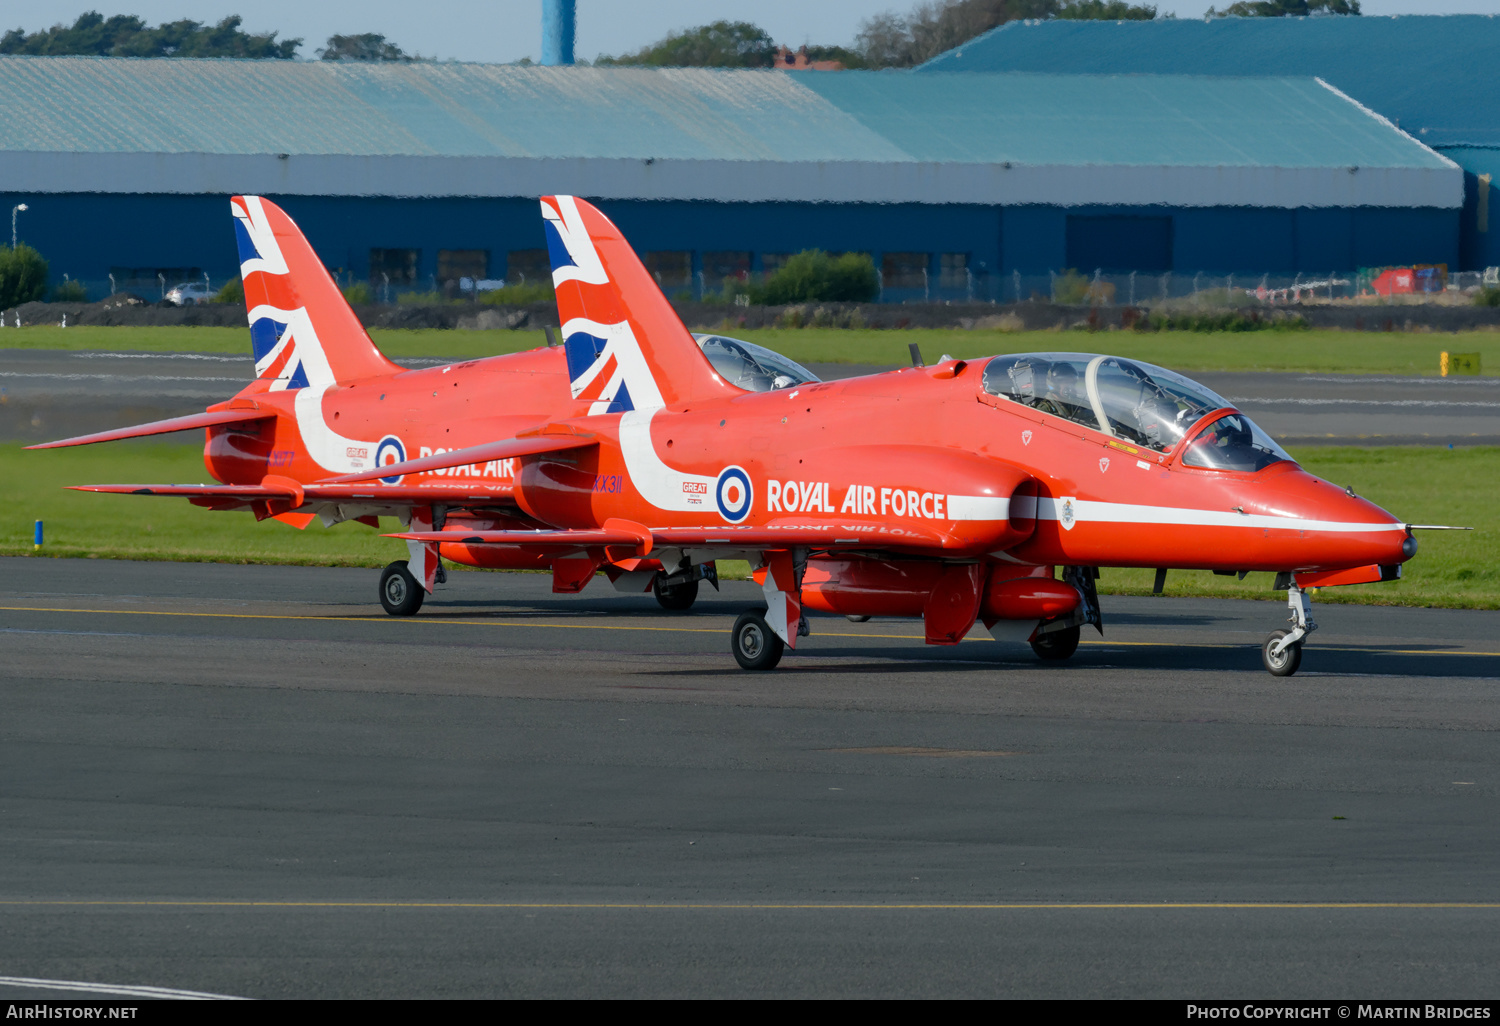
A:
1135, 402
751, 367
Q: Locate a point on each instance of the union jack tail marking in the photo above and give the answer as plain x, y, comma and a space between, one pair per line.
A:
301, 330
626, 347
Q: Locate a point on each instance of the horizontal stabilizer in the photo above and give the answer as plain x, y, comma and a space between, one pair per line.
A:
510, 448
163, 427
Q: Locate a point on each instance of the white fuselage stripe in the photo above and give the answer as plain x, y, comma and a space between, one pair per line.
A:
978, 507
1094, 511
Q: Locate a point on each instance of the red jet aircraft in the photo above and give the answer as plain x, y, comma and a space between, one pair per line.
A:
953, 492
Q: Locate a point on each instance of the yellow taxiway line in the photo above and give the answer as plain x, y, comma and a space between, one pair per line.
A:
999, 906
437, 621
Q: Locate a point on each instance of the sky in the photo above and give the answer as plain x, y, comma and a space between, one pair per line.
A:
507, 30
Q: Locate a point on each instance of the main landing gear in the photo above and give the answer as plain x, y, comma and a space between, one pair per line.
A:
400, 593
676, 597
1056, 645
1282, 652
678, 591
754, 643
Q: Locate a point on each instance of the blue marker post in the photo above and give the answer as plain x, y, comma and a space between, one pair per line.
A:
37, 543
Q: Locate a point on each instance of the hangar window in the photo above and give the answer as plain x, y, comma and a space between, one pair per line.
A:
726, 263
1120, 243
454, 264
523, 265
954, 270
903, 270
672, 268
400, 265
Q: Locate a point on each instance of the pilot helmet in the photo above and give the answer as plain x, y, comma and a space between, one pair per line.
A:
1062, 378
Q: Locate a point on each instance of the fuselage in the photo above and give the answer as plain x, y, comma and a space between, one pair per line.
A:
922, 459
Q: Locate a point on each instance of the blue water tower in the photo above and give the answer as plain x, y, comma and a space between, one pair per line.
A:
559, 25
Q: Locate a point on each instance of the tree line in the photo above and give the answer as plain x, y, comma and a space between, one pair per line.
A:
889, 40
125, 35
895, 40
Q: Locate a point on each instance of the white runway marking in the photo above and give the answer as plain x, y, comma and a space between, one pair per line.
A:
115, 989
1361, 379
1242, 401
164, 356
116, 377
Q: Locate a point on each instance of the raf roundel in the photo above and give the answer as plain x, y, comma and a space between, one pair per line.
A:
734, 494
390, 450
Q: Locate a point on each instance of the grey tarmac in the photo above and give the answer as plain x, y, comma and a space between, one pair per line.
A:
248, 781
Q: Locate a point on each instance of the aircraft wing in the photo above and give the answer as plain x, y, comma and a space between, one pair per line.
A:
528, 444
162, 427
776, 535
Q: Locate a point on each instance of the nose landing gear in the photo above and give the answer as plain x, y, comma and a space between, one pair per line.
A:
1282, 652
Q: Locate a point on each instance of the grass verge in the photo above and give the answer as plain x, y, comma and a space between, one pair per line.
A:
1340, 352
1424, 485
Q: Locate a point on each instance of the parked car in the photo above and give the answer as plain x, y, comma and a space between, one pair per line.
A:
189, 293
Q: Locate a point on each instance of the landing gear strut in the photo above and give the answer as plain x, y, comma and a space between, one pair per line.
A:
1282, 652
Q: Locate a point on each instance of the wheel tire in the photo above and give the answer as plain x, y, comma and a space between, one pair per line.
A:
676, 598
400, 593
754, 644
1287, 662
856, 619
1056, 645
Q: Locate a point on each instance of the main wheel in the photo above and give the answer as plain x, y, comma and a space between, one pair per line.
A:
1056, 644
1285, 664
400, 593
677, 597
754, 644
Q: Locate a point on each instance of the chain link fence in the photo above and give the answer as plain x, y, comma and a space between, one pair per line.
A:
1377, 286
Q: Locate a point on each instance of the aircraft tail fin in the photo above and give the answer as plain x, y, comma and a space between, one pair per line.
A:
303, 332
626, 347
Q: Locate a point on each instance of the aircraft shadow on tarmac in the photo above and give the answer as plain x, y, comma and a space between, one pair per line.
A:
833, 639
978, 658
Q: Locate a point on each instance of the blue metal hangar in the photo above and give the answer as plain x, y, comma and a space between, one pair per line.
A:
1434, 76
420, 173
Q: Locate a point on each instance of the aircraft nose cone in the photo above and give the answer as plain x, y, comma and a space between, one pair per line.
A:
1344, 529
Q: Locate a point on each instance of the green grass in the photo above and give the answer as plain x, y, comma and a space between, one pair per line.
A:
394, 343
1452, 569
1325, 351
1423, 485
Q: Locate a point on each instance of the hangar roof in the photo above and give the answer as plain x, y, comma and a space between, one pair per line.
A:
427, 128
1434, 74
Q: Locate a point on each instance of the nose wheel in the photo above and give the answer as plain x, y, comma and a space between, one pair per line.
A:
1281, 658
1282, 652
